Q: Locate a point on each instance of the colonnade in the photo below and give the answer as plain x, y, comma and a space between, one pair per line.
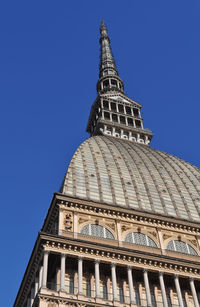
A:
41, 282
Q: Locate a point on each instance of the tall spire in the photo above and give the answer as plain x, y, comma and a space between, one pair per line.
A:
113, 113
108, 75
107, 60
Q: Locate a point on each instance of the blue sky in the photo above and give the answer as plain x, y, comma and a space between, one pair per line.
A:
49, 57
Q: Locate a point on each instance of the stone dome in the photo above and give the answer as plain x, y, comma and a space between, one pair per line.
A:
131, 175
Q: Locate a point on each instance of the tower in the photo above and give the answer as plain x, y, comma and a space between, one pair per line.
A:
124, 228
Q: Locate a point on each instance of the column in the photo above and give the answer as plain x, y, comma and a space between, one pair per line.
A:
62, 272
119, 235
147, 288
163, 291
117, 108
40, 276
45, 269
178, 290
114, 281
80, 275
130, 282
97, 278
194, 293
36, 285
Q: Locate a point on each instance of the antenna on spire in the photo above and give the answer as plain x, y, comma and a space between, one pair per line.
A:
102, 22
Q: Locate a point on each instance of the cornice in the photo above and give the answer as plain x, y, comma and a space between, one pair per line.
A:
121, 256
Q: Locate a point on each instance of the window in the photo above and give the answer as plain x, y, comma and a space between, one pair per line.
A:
114, 82
128, 110
97, 231
105, 291
122, 120
105, 83
113, 106
114, 118
105, 104
130, 121
137, 295
87, 286
181, 247
121, 293
69, 282
169, 300
140, 239
153, 299
138, 124
136, 112
107, 115
121, 108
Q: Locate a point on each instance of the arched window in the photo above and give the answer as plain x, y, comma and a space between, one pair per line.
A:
181, 247
97, 231
140, 239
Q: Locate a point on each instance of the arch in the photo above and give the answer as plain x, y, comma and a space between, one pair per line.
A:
181, 247
98, 231
140, 239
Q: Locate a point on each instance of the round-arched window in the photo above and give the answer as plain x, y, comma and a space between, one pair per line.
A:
181, 247
140, 239
97, 231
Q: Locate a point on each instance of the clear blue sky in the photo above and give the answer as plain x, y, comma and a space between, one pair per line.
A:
49, 57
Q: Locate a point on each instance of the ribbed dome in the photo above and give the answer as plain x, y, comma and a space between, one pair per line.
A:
127, 174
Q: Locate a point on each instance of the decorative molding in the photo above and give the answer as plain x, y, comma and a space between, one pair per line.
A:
103, 210
148, 261
194, 242
65, 301
166, 236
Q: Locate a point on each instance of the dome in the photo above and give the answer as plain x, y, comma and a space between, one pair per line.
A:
122, 173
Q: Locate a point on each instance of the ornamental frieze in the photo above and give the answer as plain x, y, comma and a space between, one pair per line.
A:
129, 216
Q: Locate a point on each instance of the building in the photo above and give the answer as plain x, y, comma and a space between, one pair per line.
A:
124, 229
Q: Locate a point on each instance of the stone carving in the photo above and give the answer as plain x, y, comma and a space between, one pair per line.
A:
68, 222
125, 227
194, 242
111, 225
82, 220
165, 237
154, 234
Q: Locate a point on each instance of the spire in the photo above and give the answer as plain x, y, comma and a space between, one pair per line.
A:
107, 60
113, 113
108, 75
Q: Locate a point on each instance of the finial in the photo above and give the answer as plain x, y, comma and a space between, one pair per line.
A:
102, 22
